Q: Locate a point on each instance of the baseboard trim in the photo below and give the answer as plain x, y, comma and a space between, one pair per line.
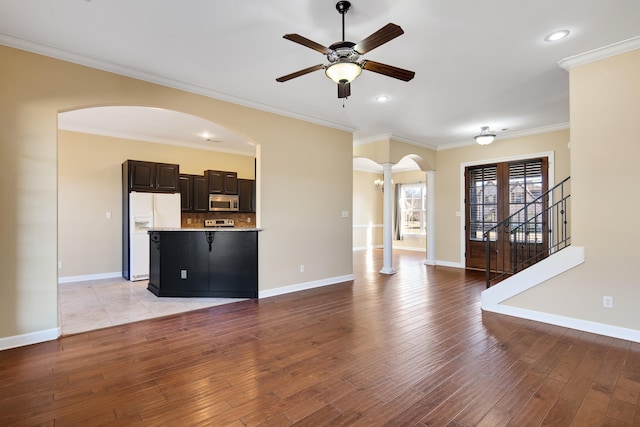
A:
366, 248
304, 286
571, 323
448, 264
410, 248
72, 279
30, 338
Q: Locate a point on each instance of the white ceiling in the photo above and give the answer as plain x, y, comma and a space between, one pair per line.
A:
477, 63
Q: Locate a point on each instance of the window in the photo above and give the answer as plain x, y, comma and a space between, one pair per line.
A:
413, 208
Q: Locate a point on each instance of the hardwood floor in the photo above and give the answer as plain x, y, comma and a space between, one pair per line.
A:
409, 349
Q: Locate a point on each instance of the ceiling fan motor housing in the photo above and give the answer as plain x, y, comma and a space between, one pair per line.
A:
342, 51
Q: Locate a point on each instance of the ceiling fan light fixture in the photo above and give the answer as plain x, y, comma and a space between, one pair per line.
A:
486, 137
343, 72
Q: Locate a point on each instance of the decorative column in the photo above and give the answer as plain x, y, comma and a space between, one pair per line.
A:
387, 229
431, 229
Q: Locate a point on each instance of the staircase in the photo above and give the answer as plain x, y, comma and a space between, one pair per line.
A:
531, 234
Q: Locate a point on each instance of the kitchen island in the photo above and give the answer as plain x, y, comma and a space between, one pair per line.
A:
204, 262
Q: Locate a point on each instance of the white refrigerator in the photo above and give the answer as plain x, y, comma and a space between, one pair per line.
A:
147, 211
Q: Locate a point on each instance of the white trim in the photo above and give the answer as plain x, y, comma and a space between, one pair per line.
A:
87, 277
549, 267
448, 264
389, 137
88, 61
600, 53
492, 299
550, 176
29, 338
569, 322
366, 248
509, 135
304, 286
409, 248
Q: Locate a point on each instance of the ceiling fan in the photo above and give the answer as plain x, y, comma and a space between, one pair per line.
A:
344, 56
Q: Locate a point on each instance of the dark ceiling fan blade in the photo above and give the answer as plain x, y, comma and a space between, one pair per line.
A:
344, 90
299, 73
297, 38
380, 37
388, 70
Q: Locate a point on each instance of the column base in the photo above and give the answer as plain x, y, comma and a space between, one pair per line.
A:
388, 271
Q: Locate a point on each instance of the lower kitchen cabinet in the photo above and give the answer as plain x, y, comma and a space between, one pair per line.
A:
204, 263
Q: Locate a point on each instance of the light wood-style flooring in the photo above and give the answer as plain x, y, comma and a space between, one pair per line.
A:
409, 349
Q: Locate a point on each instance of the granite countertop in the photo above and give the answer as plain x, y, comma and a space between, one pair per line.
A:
206, 229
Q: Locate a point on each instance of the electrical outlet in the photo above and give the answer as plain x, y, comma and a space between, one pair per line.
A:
183, 274
59, 264
607, 302
301, 268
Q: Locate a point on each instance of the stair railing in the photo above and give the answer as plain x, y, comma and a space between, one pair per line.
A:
529, 235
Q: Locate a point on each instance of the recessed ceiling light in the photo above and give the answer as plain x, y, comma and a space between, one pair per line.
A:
556, 35
382, 98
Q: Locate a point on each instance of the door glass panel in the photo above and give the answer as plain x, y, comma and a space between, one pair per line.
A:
482, 200
525, 187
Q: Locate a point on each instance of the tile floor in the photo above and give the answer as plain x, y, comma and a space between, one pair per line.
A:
90, 305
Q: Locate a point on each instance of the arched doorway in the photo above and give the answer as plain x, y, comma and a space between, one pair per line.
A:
92, 144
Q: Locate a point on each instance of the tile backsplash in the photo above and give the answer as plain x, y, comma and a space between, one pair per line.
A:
196, 219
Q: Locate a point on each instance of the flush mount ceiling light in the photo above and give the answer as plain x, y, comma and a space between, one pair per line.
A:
556, 35
382, 98
486, 136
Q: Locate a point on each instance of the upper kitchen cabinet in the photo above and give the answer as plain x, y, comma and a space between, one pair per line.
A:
151, 177
246, 195
200, 194
186, 192
193, 193
221, 182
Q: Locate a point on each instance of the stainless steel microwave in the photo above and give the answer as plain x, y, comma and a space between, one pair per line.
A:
223, 203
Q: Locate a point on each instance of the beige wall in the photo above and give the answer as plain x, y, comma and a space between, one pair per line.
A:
605, 107
90, 185
449, 210
300, 201
367, 211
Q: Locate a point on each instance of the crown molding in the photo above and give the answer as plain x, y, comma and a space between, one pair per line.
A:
600, 53
92, 62
389, 136
510, 135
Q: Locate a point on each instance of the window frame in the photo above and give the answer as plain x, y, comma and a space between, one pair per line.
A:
422, 230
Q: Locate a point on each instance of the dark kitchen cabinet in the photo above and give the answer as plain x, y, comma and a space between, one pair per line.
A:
200, 194
186, 192
193, 193
247, 195
151, 177
221, 182
204, 264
